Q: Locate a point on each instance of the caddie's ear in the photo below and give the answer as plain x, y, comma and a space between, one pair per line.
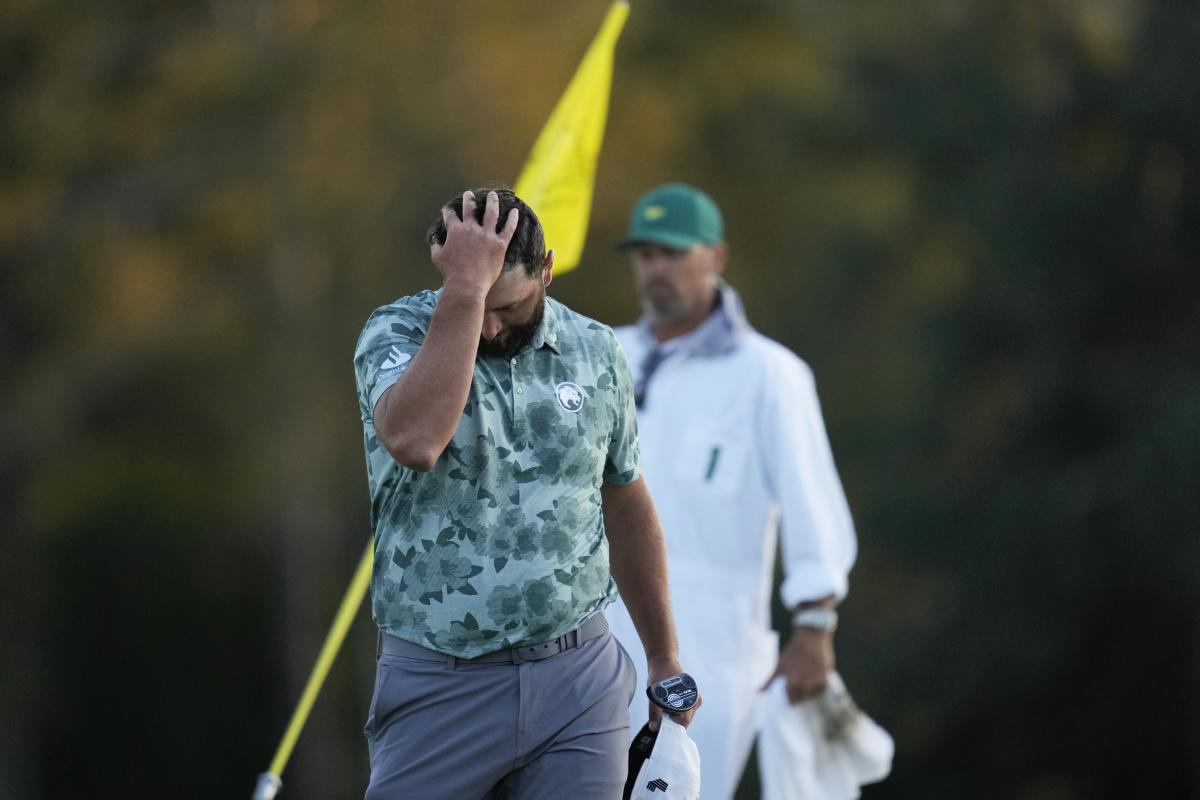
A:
548, 268
720, 254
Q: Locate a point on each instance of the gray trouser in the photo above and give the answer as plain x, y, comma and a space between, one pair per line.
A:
557, 727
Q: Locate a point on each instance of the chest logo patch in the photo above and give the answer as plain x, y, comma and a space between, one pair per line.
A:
569, 395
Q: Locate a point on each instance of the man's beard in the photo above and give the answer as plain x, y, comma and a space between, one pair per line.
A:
510, 341
661, 301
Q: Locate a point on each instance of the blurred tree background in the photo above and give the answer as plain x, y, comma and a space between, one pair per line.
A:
977, 220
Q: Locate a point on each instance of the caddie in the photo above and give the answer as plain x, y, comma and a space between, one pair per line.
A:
736, 455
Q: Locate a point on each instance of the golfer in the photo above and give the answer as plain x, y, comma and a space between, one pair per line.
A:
508, 508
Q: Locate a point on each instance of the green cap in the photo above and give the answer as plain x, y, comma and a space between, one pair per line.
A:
675, 215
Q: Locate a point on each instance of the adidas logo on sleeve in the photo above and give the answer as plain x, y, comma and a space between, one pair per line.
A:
395, 363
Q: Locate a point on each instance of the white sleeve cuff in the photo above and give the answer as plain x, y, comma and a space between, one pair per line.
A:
812, 581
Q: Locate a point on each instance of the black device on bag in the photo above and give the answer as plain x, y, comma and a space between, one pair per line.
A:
675, 694
639, 751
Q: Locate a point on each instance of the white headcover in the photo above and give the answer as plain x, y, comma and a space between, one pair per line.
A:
672, 772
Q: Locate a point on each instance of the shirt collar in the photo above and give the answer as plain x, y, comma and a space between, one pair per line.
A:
548, 331
717, 335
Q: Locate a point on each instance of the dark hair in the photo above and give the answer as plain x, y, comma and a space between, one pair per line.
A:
528, 245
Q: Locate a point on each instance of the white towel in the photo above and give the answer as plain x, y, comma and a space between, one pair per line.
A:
824, 748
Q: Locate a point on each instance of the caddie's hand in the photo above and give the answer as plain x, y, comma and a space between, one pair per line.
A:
805, 663
473, 255
661, 671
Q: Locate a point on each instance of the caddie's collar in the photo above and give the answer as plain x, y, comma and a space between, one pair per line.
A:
717, 335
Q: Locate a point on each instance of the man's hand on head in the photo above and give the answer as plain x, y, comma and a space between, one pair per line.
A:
472, 257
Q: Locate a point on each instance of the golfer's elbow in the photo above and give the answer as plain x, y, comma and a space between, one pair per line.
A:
413, 443
416, 453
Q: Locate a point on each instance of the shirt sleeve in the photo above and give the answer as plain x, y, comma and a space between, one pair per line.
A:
387, 345
623, 464
818, 540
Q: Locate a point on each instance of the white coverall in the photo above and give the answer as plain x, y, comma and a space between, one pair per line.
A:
734, 449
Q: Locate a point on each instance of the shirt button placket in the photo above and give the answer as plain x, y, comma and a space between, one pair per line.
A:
518, 397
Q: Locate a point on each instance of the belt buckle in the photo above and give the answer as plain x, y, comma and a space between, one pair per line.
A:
536, 652
546, 649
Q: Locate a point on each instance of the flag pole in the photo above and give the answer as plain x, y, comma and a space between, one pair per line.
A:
270, 781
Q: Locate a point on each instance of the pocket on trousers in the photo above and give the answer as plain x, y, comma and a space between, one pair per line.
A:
380, 678
399, 681
630, 670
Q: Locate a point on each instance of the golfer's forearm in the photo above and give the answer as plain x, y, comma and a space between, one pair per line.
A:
416, 418
643, 587
638, 561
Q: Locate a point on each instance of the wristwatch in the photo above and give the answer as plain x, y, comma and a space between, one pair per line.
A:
817, 617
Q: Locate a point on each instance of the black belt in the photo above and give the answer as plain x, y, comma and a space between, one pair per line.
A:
593, 627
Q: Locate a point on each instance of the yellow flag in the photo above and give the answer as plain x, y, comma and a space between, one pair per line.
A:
558, 176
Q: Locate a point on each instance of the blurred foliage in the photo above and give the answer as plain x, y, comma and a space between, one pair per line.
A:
976, 220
